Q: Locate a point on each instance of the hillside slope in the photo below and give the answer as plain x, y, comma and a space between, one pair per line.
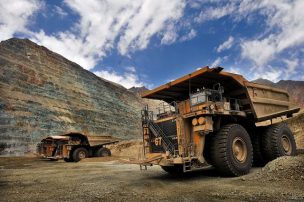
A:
42, 94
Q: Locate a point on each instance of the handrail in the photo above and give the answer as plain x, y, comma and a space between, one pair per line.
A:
147, 119
157, 131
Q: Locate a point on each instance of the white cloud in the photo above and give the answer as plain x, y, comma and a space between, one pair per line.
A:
15, 15
70, 46
151, 17
189, 35
226, 45
104, 25
58, 10
234, 70
259, 51
129, 25
169, 36
219, 61
128, 79
216, 62
291, 67
284, 31
272, 74
213, 13
131, 69
286, 17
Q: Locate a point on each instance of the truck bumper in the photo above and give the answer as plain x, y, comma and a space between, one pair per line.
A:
162, 159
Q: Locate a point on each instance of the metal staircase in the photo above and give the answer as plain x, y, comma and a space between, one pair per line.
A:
187, 166
147, 118
158, 132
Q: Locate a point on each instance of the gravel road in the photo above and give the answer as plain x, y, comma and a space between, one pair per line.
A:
108, 179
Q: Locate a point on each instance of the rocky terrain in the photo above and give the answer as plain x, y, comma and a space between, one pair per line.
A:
42, 94
296, 125
109, 179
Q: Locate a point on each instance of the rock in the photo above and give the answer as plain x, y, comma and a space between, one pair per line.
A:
282, 168
43, 93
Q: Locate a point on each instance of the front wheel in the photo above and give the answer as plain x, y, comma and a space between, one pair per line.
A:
231, 150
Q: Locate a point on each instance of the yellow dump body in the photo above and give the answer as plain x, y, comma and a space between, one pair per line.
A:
259, 102
95, 140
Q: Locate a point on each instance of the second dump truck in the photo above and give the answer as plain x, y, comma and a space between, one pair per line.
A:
74, 146
216, 118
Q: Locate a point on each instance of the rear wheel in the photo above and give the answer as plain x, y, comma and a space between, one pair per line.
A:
79, 153
103, 152
231, 150
278, 141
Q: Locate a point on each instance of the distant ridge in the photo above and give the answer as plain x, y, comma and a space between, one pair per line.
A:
138, 90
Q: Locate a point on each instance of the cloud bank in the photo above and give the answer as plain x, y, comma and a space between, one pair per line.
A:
129, 26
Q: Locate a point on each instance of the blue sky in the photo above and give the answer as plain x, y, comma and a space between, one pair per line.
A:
150, 42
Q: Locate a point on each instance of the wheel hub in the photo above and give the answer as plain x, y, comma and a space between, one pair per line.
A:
286, 144
239, 149
82, 155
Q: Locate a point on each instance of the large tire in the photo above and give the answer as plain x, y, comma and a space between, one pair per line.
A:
173, 170
231, 150
79, 153
278, 141
256, 139
102, 152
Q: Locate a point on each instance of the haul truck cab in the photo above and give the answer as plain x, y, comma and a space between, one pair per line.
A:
215, 118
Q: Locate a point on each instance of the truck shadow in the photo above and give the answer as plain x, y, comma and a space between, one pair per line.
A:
202, 174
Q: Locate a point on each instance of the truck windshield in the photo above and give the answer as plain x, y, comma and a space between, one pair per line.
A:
198, 98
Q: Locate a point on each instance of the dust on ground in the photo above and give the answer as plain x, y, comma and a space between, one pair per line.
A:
107, 179
128, 149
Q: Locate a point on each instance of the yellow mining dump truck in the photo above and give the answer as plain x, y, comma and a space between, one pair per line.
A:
72, 147
215, 118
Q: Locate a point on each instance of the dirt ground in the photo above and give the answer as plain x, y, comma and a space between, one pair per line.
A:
108, 179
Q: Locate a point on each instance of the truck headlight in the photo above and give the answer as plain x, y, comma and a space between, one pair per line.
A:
201, 120
194, 121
